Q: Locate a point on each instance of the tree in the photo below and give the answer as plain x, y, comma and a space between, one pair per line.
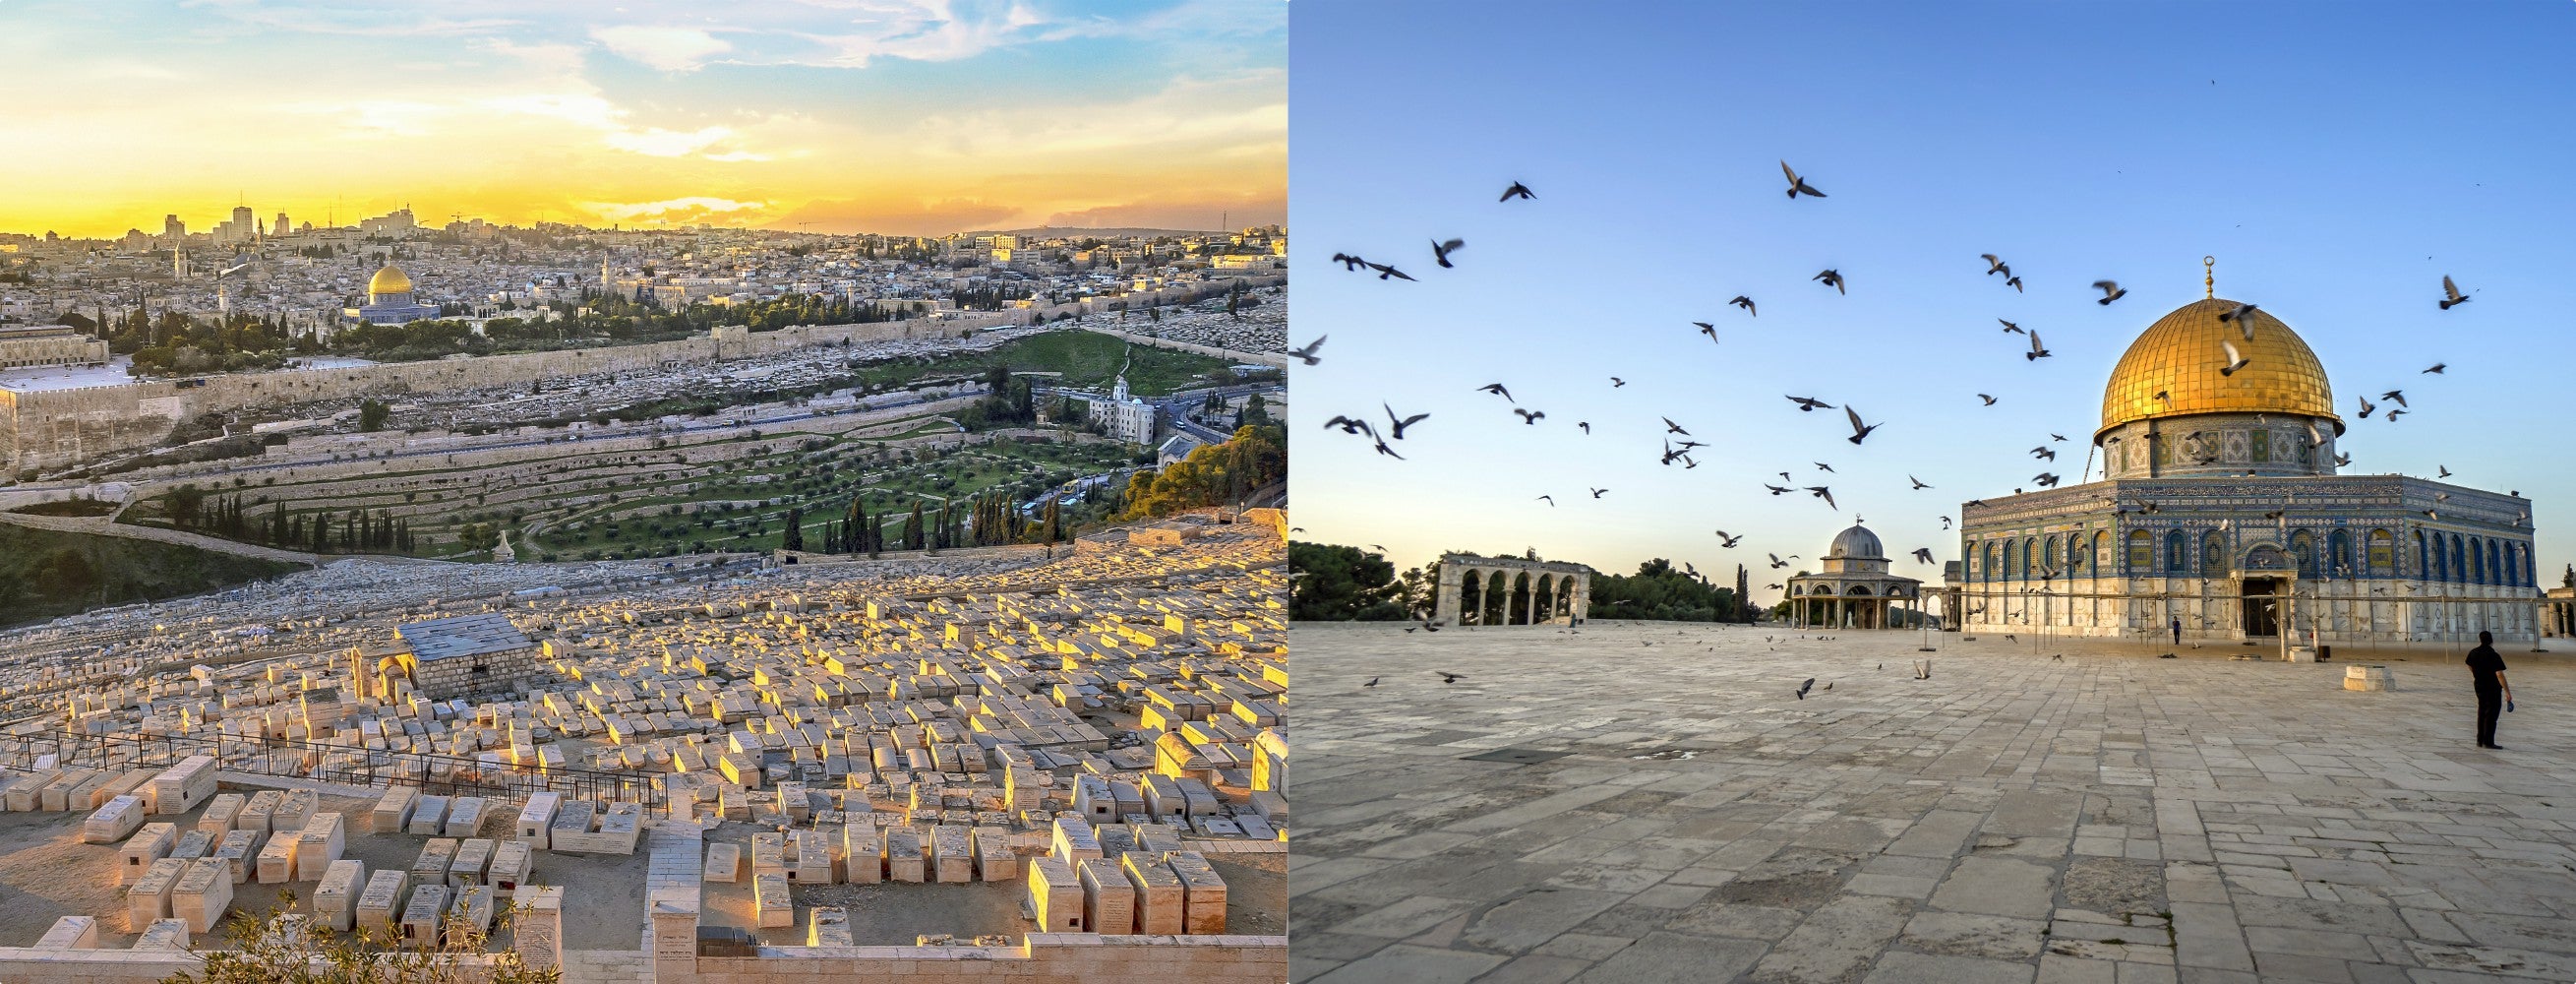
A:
794, 538
372, 414
1328, 582
1660, 591
270, 947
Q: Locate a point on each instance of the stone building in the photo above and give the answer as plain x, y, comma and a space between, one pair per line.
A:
389, 300
2221, 507
1475, 590
1125, 417
465, 655
25, 346
1856, 590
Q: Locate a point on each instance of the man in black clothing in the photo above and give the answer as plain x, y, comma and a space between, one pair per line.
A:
2486, 670
2177, 627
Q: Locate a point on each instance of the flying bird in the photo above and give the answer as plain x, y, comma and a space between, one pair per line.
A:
1990, 401
1373, 680
1746, 303
1387, 451
1348, 425
1826, 494
1517, 190
1440, 250
2037, 351
2446, 471
1308, 353
1585, 424
2343, 460
1777, 563
2436, 370
1616, 382
1727, 541
1995, 266
1833, 279
2235, 360
1673, 428
1551, 500
1596, 493
2057, 437
2395, 396
1707, 329
2008, 326
2014, 283
1384, 271
2110, 291
1798, 185
1804, 687
2392, 415
2366, 408
2451, 294
2045, 480
1823, 467
1806, 403
1945, 522
2044, 452
1496, 389
1401, 422
1918, 483
1923, 555
1860, 431
1531, 417
1348, 261
1777, 490
1447, 677
2243, 315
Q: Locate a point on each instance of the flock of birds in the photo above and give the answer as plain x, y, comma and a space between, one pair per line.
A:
2229, 360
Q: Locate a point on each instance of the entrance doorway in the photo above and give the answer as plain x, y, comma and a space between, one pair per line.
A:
2262, 607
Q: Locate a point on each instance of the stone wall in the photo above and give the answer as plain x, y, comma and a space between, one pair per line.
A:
1045, 958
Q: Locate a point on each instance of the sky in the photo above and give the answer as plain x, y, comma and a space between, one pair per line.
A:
907, 117
2337, 160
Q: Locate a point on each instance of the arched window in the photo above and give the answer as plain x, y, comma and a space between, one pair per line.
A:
2303, 548
2101, 550
2383, 554
2423, 560
2053, 557
1989, 570
2011, 549
2477, 562
2029, 556
2213, 554
2529, 578
2495, 570
2175, 549
2339, 555
2142, 553
2459, 562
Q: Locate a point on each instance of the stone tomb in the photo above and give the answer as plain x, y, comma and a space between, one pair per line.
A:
256, 814
1055, 896
473, 911
277, 859
181, 787
536, 818
435, 856
70, 933
117, 820
1159, 895
221, 813
379, 905
202, 893
192, 845
903, 854
148, 901
862, 854
422, 915
724, 862
770, 901
150, 843
1108, 901
995, 859
1202, 893
464, 817
163, 935
319, 845
513, 863
473, 858
828, 925
426, 816
240, 852
335, 901
393, 812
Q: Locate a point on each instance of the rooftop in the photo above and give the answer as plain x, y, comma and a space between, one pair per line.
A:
464, 635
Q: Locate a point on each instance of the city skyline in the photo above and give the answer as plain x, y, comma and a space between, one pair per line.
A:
1926, 132
906, 119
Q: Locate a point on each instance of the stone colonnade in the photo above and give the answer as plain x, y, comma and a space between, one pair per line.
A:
1476, 590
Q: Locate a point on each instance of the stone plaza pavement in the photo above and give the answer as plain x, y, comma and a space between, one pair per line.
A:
2111, 817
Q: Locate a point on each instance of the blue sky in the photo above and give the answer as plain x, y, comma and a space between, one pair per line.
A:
912, 117
2322, 152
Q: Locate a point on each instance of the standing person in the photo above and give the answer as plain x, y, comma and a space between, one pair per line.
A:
2177, 629
2486, 670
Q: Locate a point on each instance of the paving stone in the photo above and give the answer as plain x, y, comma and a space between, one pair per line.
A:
1836, 943
1900, 967
1407, 964
1529, 920
1972, 935
1997, 886
1665, 957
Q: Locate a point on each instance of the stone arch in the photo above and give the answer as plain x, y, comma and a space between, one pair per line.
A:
2213, 554
1518, 600
1858, 589
2423, 558
1986, 569
2477, 562
2382, 553
2339, 554
2053, 556
2029, 556
2303, 551
2101, 550
2142, 553
2459, 562
2495, 571
2176, 552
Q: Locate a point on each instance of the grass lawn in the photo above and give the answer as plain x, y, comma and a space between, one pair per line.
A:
45, 573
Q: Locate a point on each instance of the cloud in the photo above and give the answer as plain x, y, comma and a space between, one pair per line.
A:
681, 211
1198, 213
934, 218
671, 49
597, 113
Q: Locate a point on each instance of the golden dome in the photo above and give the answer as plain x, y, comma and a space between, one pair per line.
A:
2180, 356
389, 280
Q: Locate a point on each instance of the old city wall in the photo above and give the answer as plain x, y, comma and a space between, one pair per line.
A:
48, 430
